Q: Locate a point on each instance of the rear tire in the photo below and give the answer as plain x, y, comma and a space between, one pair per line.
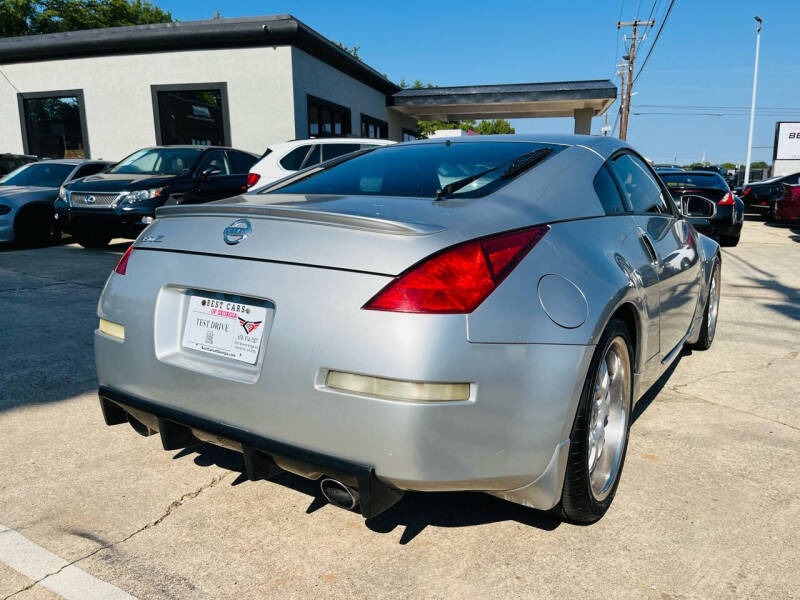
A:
93, 240
729, 240
599, 437
709, 326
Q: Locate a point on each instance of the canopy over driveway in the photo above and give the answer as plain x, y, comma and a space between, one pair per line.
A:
581, 100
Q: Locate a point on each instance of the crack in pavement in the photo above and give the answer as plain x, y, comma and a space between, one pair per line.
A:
172, 506
678, 389
741, 410
792, 355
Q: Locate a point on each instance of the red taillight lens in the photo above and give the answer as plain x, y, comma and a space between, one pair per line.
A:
122, 265
726, 200
458, 279
252, 179
747, 191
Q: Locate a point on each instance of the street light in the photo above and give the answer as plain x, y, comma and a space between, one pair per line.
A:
753, 103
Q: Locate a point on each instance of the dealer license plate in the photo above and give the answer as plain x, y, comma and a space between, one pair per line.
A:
225, 328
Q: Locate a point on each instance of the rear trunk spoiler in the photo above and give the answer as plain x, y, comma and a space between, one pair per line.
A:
280, 213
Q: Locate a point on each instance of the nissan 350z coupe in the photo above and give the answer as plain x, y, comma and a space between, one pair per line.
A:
469, 314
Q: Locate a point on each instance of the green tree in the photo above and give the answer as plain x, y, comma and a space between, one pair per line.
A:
759, 165
30, 17
729, 165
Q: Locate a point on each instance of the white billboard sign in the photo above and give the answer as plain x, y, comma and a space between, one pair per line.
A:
787, 141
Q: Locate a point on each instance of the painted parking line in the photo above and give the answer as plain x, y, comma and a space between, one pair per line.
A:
52, 571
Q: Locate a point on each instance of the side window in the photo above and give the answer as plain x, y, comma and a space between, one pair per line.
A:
330, 151
607, 192
314, 157
90, 169
640, 189
215, 159
241, 162
294, 160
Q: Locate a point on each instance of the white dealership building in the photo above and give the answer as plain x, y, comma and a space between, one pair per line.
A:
242, 82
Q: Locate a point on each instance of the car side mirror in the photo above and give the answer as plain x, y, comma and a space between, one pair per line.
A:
697, 207
209, 172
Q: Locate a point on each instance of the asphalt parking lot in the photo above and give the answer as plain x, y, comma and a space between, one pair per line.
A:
708, 504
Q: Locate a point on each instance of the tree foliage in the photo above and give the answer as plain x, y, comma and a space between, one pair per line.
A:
30, 17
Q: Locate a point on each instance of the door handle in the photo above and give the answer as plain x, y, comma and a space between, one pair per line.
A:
651, 250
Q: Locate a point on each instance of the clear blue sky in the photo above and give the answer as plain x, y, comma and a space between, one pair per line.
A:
704, 57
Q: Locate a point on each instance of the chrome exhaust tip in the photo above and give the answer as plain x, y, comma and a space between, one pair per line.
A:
338, 493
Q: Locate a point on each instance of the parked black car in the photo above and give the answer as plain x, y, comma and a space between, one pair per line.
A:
9, 162
761, 196
122, 201
686, 187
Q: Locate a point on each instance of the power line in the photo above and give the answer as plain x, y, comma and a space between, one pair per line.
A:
655, 40
652, 9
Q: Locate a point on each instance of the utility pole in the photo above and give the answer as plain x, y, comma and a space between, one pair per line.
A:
627, 82
752, 104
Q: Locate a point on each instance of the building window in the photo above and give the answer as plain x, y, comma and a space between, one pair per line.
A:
410, 136
194, 114
374, 128
326, 119
54, 124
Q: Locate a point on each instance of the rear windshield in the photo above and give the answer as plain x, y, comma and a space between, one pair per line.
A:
414, 170
41, 174
688, 180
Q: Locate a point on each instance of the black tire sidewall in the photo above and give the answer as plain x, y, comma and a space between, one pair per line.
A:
577, 501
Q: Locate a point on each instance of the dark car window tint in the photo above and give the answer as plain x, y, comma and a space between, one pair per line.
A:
86, 170
294, 160
608, 193
330, 151
41, 174
638, 185
241, 162
688, 180
215, 159
314, 157
417, 170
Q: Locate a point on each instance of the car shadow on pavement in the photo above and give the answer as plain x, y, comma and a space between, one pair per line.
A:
415, 511
647, 399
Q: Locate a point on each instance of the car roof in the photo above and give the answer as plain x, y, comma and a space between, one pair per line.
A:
67, 161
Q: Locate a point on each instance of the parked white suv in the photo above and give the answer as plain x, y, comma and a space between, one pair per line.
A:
280, 160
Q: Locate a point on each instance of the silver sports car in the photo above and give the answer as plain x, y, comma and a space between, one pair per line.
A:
471, 314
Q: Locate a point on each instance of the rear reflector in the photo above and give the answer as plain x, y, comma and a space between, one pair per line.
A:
252, 179
459, 278
113, 329
727, 200
122, 265
396, 389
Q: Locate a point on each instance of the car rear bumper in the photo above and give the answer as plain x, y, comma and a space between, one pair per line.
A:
509, 434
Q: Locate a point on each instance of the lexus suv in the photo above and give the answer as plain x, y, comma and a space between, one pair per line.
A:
121, 201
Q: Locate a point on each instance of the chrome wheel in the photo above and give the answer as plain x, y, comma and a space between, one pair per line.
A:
713, 304
608, 423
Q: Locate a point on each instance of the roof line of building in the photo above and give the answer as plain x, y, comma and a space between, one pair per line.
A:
262, 31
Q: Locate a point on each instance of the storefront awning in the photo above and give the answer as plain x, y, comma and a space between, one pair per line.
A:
579, 99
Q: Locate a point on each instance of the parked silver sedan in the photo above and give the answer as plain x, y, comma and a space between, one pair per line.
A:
471, 314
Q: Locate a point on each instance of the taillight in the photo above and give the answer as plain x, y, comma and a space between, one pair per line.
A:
459, 278
727, 200
747, 191
122, 265
252, 179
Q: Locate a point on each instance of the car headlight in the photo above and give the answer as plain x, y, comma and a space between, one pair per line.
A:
140, 195
62, 193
